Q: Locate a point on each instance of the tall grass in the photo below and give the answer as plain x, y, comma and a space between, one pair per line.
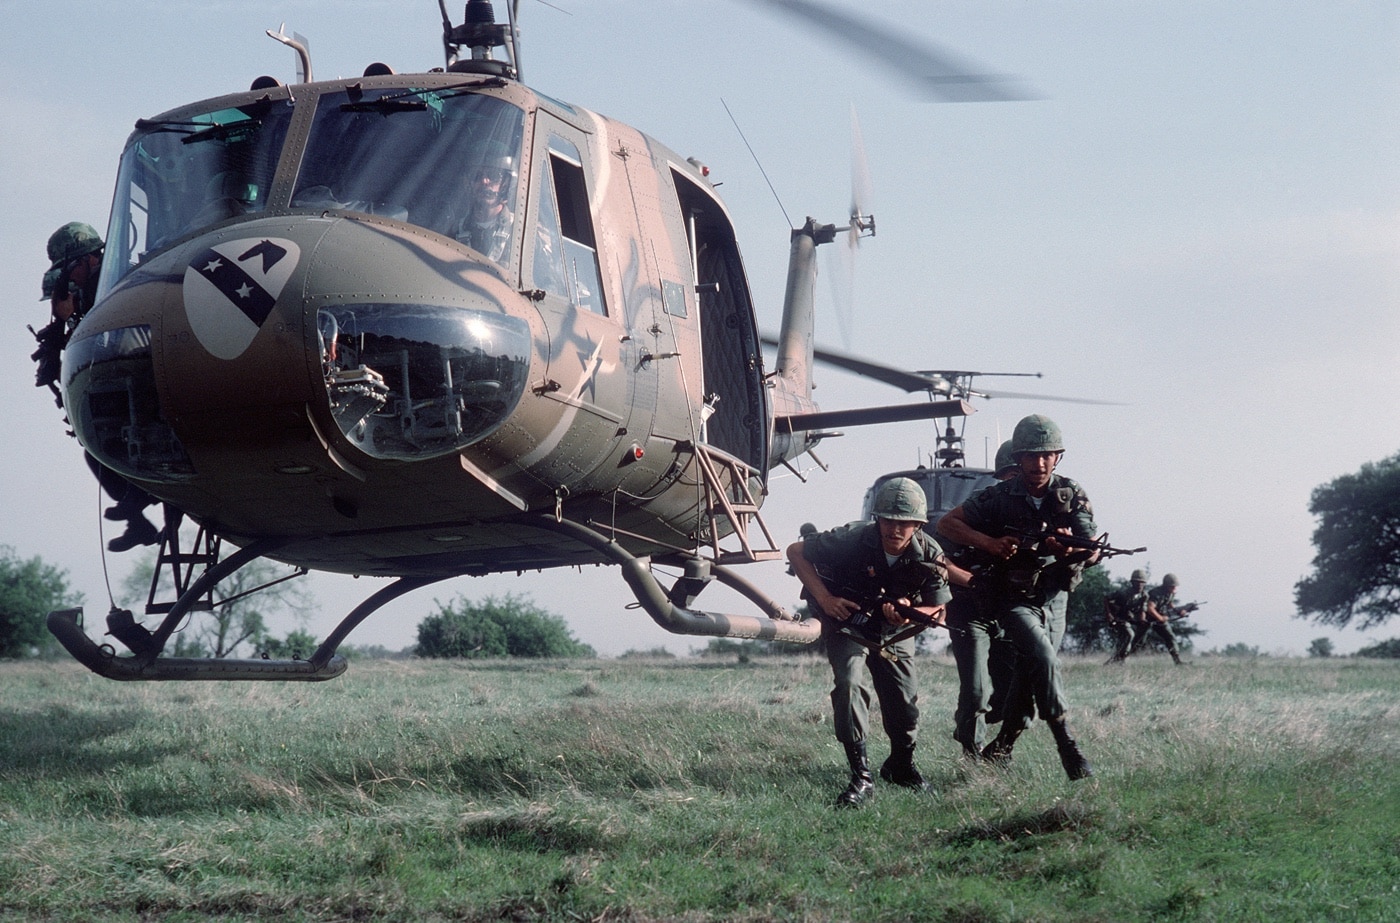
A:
1250, 789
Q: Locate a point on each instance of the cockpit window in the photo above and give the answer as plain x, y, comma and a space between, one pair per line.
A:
179, 175
446, 160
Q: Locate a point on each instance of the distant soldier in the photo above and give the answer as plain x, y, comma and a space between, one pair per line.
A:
843, 569
1026, 579
984, 655
1124, 611
1160, 611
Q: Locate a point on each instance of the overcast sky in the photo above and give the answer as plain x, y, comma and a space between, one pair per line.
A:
1198, 219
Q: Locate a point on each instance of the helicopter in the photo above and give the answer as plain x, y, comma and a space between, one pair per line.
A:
302, 345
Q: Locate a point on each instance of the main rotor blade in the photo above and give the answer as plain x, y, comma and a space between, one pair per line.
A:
939, 74
1026, 396
906, 381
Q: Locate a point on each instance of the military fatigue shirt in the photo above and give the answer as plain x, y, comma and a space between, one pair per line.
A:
1007, 508
1128, 606
852, 563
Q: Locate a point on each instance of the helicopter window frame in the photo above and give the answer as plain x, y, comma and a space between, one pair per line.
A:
374, 151
189, 171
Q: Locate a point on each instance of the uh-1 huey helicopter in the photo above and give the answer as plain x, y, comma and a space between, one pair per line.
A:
430, 325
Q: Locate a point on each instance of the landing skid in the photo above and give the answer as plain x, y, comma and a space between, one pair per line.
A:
147, 662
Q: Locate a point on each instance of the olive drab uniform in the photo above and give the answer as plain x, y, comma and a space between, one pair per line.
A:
985, 659
853, 565
1161, 599
1029, 594
1129, 609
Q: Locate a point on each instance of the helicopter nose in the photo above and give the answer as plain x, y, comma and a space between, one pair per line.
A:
215, 355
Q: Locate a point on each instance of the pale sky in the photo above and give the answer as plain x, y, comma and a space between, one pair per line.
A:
1200, 220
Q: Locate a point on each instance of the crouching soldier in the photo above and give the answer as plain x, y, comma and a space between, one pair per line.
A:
856, 578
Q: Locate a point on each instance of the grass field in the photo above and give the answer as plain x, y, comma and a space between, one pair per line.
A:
1235, 789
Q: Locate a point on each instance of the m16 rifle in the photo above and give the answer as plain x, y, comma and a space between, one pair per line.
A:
1024, 571
865, 626
1183, 611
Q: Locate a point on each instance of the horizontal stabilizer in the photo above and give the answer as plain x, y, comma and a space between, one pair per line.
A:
866, 416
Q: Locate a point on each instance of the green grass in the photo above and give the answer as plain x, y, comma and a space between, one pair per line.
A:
1236, 789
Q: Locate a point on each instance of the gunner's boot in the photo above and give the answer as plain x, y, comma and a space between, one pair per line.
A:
862, 787
899, 769
1076, 765
998, 752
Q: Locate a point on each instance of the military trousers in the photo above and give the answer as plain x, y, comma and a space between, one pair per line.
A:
985, 661
1161, 629
892, 683
1035, 629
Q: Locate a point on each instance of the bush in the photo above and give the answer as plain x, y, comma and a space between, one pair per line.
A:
509, 627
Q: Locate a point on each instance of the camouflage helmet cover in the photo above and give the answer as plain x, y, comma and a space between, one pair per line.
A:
1170, 580
1036, 433
1139, 576
900, 499
50, 280
71, 241
1004, 462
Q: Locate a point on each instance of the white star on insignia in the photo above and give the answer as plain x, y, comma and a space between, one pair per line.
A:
244, 290
214, 264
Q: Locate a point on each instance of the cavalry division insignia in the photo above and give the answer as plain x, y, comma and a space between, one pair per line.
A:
229, 290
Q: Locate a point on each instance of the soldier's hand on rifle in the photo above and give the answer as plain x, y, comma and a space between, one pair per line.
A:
837, 607
1004, 548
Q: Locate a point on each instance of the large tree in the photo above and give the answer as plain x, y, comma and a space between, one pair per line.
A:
29, 590
1356, 571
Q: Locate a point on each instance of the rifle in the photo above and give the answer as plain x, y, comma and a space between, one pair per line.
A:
1183, 611
863, 627
1033, 540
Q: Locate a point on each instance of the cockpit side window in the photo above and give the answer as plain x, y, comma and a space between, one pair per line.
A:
445, 160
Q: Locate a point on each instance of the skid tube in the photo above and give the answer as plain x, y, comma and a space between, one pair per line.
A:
664, 608
147, 663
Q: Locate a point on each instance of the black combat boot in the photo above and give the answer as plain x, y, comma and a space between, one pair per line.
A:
1076, 766
862, 787
998, 751
899, 769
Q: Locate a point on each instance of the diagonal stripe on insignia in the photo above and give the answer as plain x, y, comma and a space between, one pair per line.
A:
236, 285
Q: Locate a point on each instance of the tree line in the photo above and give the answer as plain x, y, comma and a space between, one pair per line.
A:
1355, 579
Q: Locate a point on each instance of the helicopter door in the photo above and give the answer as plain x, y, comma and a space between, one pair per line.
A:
734, 392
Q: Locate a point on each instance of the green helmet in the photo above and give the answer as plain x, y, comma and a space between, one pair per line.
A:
71, 241
1139, 576
1004, 462
50, 280
1170, 580
902, 499
1036, 433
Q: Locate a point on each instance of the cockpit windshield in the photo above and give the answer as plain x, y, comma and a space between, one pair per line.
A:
179, 175
447, 160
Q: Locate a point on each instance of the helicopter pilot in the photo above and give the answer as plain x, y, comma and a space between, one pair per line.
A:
490, 223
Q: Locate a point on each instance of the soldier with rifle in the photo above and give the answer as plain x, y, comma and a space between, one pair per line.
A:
1035, 534
70, 287
874, 585
1160, 614
984, 656
1124, 611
